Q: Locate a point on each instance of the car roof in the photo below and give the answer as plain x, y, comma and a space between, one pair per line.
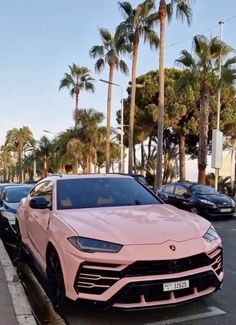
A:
82, 176
18, 186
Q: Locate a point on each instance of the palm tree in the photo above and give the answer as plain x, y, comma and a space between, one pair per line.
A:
88, 133
19, 140
201, 68
183, 10
107, 53
6, 163
138, 23
44, 152
78, 79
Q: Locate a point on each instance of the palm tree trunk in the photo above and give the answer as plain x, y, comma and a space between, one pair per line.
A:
76, 107
162, 14
108, 131
203, 136
182, 170
45, 166
75, 166
20, 165
132, 103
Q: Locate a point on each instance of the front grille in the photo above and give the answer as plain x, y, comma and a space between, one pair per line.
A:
141, 268
153, 290
96, 278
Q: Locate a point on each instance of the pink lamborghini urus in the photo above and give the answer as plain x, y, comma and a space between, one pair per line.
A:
110, 241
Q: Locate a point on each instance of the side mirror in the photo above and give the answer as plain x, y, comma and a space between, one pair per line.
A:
186, 195
39, 203
163, 196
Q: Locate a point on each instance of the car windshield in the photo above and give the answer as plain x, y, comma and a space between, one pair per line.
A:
14, 195
102, 192
203, 190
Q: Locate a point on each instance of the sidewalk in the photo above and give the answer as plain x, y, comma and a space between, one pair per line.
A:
14, 306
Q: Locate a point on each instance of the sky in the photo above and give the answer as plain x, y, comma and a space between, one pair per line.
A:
39, 39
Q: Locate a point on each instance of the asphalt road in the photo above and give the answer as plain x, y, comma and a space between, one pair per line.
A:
217, 309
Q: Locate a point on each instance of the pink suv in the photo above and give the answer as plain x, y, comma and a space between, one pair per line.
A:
108, 240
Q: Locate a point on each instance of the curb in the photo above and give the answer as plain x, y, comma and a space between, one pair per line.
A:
22, 308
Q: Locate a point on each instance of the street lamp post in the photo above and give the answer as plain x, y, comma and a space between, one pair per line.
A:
121, 123
217, 136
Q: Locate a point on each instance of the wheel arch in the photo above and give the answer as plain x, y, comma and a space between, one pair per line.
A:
52, 249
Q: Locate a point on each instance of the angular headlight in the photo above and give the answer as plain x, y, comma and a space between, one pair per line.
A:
208, 202
211, 234
90, 245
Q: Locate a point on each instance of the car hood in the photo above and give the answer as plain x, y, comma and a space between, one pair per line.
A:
153, 224
217, 199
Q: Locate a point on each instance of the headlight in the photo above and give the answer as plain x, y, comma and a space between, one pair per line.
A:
208, 202
211, 234
10, 216
90, 245
233, 203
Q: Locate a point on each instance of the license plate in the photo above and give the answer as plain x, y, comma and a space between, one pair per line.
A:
171, 286
225, 210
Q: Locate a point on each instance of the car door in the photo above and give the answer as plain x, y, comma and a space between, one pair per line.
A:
37, 221
168, 189
182, 197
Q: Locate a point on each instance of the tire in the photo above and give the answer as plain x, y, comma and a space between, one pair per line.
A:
21, 252
56, 282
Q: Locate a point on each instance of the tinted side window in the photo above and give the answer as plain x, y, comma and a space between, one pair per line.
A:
180, 190
169, 188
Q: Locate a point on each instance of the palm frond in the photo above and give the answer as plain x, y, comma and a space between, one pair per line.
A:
152, 19
145, 8
105, 34
230, 62
96, 51
89, 86
169, 11
186, 59
99, 65
152, 37
184, 11
228, 76
121, 31
126, 8
123, 67
66, 82
199, 42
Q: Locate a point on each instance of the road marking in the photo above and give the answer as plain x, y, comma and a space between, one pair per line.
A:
217, 226
214, 311
233, 229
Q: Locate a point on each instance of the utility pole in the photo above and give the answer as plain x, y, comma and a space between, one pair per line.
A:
218, 134
122, 123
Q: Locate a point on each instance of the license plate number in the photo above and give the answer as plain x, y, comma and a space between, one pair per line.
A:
171, 286
225, 210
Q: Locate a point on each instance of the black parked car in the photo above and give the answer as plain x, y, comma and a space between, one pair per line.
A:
200, 199
9, 201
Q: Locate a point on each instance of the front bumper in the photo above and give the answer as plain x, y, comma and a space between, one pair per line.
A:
220, 211
139, 284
